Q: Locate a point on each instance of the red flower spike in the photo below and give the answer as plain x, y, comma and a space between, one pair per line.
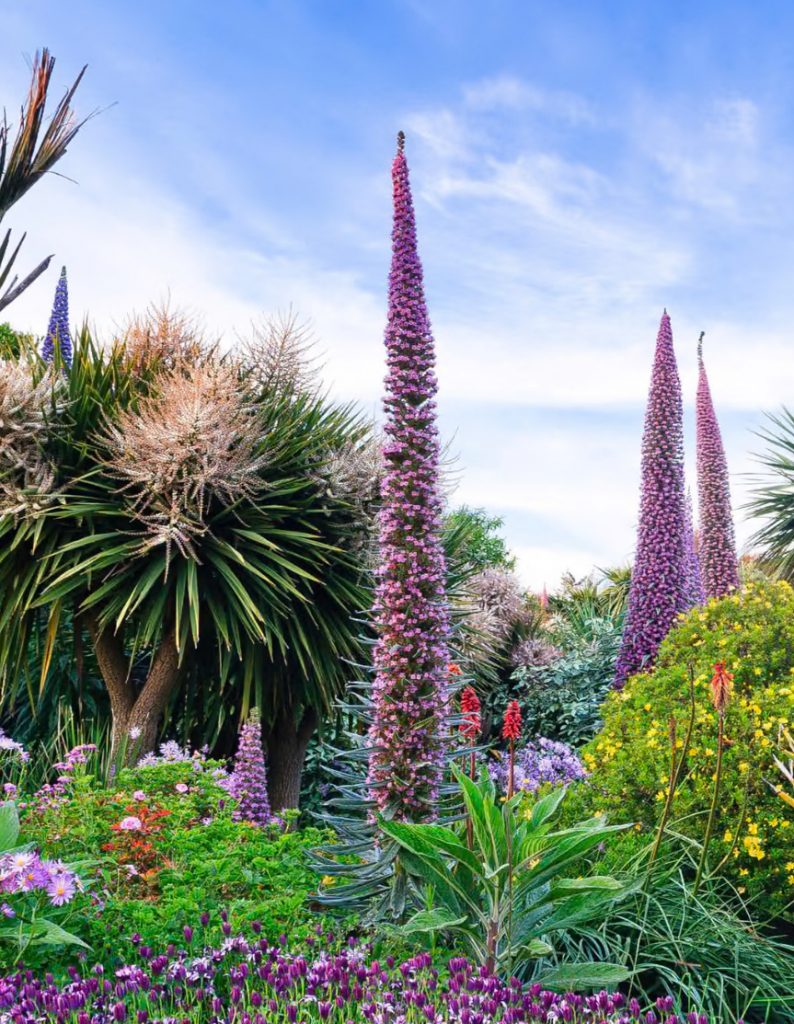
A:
511, 728
721, 686
470, 708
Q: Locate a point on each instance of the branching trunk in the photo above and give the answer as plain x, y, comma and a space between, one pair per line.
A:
286, 751
134, 712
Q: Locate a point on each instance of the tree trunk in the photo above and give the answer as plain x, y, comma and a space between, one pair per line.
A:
286, 752
135, 717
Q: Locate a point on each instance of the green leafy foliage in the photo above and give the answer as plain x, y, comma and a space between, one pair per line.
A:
201, 861
485, 547
630, 759
561, 697
506, 897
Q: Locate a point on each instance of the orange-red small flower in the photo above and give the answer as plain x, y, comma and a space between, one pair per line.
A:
471, 725
721, 686
454, 669
511, 728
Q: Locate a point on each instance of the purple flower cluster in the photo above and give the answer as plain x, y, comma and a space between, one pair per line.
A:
407, 737
58, 329
540, 762
658, 579
717, 542
12, 748
172, 753
248, 781
24, 871
51, 794
251, 982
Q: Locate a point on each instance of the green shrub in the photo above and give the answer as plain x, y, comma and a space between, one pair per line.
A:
190, 857
630, 759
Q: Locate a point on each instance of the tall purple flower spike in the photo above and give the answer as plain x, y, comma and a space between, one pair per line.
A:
58, 328
407, 736
695, 594
248, 783
718, 559
658, 579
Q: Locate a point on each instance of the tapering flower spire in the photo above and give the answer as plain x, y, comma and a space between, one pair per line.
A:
658, 579
248, 784
58, 329
718, 561
695, 594
407, 737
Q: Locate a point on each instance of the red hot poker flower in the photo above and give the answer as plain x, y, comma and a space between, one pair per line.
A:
721, 685
511, 728
470, 707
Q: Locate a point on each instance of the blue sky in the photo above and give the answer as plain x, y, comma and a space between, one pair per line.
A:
576, 168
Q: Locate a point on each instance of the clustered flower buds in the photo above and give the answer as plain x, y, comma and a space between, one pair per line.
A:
407, 736
721, 686
58, 329
248, 783
471, 726
717, 542
511, 727
658, 579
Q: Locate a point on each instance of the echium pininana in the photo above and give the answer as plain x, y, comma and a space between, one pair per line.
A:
58, 328
408, 732
248, 783
717, 543
658, 579
695, 594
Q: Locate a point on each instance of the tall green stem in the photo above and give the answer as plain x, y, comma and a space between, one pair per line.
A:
714, 800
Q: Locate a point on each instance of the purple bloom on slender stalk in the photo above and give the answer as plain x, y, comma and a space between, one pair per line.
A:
717, 543
407, 737
59, 325
658, 579
248, 784
695, 594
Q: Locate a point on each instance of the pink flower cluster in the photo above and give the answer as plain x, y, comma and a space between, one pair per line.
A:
407, 737
717, 541
25, 871
659, 575
53, 794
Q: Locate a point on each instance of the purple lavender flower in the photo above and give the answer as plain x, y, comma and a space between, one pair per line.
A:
658, 579
717, 542
407, 737
695, 594
248, 783
540, 762
243, 978
58, 329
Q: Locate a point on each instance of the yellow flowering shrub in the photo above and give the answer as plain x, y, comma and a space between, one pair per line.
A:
752, 632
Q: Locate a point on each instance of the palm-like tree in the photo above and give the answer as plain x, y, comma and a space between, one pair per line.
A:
34, 151
179, 508
772, 500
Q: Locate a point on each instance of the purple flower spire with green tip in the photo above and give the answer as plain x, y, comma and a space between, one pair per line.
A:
695, 594
658, 579
407, 736
248, 783
717, 542
58, 329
